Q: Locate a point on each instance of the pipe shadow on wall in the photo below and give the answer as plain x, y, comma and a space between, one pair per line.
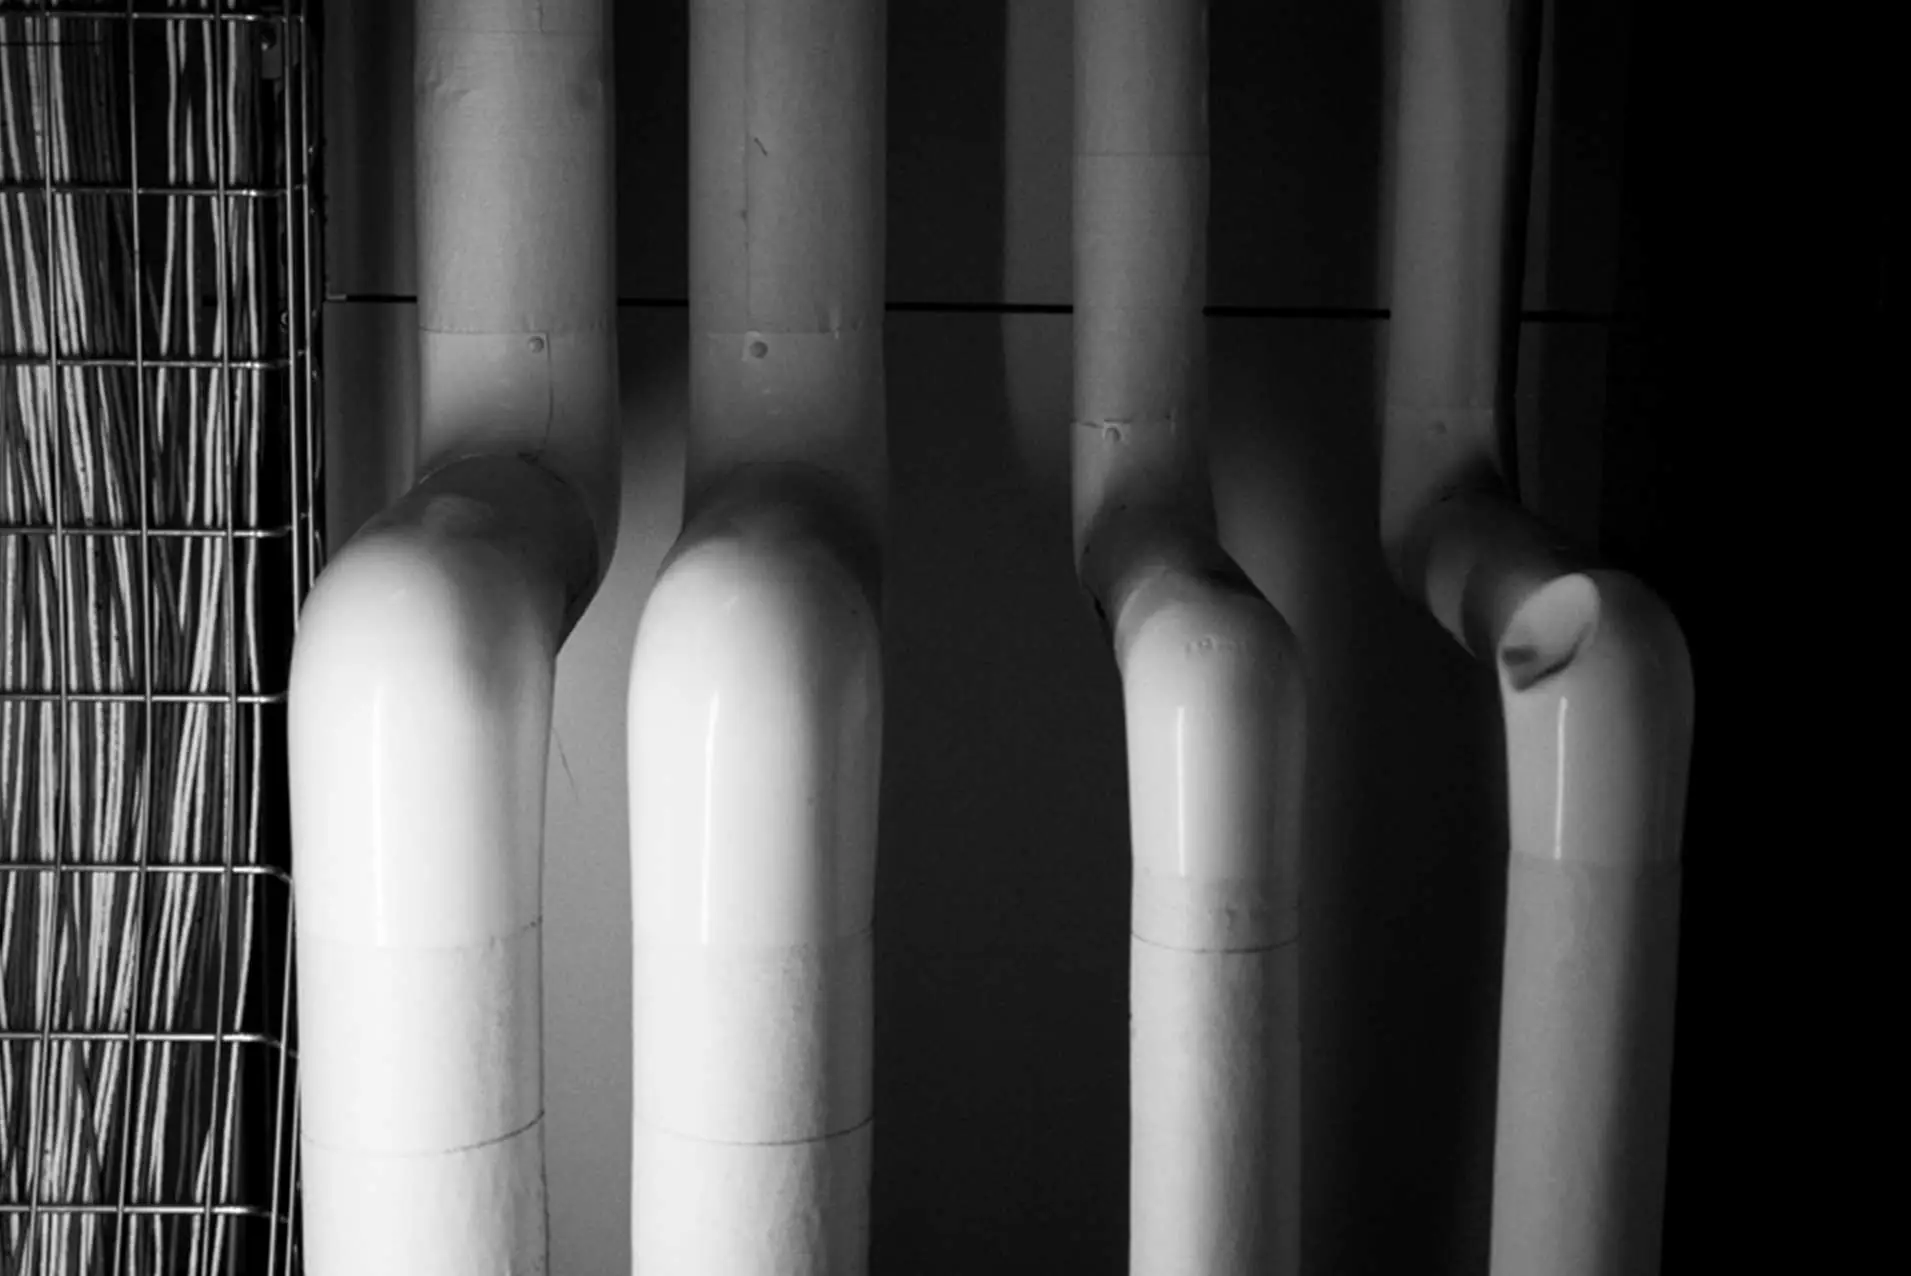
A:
587, 955
1002, 890
1403, 894
1003, 904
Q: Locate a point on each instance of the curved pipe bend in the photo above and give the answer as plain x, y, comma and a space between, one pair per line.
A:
755, 695
1596, 684
1595, 681
1596, 692
760, 642
1211, 680
419, 720
1471, 558
1596, 688
1213, 692
1214, 695
1589, 659
516, 192
755, 737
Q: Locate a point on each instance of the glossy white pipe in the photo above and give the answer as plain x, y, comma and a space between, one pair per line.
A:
1594, 678
420, 716
420, 697
756, 691
1211, 678
1598, 700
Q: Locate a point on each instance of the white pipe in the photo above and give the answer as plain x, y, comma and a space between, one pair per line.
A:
1598, 701
420, 715
756, 690
420, 698
517, 308
1594, 677
1211, 676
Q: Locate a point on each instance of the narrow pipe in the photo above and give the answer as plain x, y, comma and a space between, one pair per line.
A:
756, 690
420, 700
1211, 676
1595, 680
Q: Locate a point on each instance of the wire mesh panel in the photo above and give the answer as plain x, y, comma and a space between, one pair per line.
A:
157, 531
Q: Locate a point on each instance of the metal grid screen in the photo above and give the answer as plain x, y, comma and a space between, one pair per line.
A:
158, 454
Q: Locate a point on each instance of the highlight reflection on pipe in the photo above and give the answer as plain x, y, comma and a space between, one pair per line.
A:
756, 692
433, 639
420, 699
1211, 679
1595, 681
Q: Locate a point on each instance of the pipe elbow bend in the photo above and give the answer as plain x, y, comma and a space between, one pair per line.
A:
1596, 683
1184, 640
755, 718
419, 713
1214, 694
770, 600
419, 725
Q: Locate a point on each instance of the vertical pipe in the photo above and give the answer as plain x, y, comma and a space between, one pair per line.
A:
1449, 363
1211, 677
420, 720
1594, 678
1597, 694
517, 350
420, 696
756, 694
1141, 195
786, 243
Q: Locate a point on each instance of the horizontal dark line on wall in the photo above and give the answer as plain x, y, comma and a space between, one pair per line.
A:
1051, 308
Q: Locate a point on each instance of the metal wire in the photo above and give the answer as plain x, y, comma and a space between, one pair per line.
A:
158, 485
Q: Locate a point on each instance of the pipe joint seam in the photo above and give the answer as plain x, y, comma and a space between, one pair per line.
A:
790, 511
1597, 621
852, 1130
755, 721
309, 1139
790, 416
1214, 696
1596, 688
790, 1209
1471, 555
1127, 538
537, 396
